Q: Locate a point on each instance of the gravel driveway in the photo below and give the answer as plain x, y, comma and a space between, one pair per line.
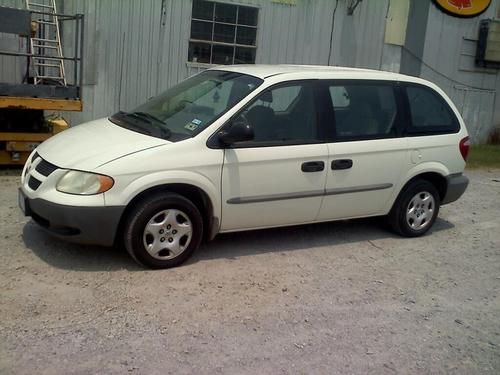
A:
345, 297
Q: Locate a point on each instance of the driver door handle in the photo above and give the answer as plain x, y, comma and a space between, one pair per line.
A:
313, 166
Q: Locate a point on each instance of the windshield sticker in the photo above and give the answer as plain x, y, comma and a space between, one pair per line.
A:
196, 121
191, 126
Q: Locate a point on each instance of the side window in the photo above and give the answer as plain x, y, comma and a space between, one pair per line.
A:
284, 114
284, 97
363, 111
429, 112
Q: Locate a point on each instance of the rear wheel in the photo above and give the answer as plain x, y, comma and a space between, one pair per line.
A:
163, 231
416, 209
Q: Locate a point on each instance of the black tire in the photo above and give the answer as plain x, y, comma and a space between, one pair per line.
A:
405, 222
159, 212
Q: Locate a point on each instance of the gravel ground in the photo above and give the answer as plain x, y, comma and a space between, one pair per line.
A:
345, 297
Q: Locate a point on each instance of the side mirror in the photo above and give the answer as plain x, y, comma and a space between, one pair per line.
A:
239, 131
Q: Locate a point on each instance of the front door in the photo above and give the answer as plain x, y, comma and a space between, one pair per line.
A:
279, 177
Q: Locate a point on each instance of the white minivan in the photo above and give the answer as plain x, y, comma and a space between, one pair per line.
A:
248, 147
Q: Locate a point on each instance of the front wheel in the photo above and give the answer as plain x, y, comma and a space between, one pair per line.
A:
416, 209
163, 231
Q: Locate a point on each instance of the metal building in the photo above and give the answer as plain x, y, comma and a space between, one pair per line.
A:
136, 49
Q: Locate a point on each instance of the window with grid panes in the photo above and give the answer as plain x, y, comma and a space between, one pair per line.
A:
222, 33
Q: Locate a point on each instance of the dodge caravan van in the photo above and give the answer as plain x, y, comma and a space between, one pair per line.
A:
247, 147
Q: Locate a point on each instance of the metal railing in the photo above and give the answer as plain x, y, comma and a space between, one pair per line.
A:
76, 59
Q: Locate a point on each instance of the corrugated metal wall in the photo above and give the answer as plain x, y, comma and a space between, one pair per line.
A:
136, 49
448, 61
133, 50
12, 69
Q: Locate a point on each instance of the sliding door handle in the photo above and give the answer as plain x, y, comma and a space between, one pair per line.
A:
342, 164
313, 166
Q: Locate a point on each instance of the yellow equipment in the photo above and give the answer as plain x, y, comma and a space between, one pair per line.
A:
46, 85
18, 145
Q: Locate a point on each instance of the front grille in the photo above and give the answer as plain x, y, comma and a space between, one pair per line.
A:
45, 168
33, 183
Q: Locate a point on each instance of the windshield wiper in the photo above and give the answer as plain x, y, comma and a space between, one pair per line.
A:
147, 116
150, 119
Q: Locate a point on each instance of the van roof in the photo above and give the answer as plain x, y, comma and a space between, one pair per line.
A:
265, 71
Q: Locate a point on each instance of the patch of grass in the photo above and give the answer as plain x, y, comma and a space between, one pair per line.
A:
484, 156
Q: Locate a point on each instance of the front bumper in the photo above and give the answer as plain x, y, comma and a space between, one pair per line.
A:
87, 225
456, 187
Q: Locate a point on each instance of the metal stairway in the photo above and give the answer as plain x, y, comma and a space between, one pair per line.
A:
46, 41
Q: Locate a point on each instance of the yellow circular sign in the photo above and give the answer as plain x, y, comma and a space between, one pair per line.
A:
463, 8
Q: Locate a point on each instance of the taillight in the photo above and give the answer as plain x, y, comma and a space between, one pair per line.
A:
464, 147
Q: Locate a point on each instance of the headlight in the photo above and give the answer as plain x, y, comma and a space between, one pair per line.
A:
84, 183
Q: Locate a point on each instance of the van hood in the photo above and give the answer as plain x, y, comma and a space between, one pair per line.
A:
92, 144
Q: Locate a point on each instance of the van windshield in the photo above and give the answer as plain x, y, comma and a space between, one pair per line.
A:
186, 109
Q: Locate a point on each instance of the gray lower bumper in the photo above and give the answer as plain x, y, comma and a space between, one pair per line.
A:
88, 225
456, 187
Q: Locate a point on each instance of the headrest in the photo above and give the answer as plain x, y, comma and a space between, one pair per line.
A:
266, 96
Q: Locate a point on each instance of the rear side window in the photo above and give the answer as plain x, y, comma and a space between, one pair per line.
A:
363, 111
430, 114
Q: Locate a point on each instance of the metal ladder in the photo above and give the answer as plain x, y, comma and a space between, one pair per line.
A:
48, 69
